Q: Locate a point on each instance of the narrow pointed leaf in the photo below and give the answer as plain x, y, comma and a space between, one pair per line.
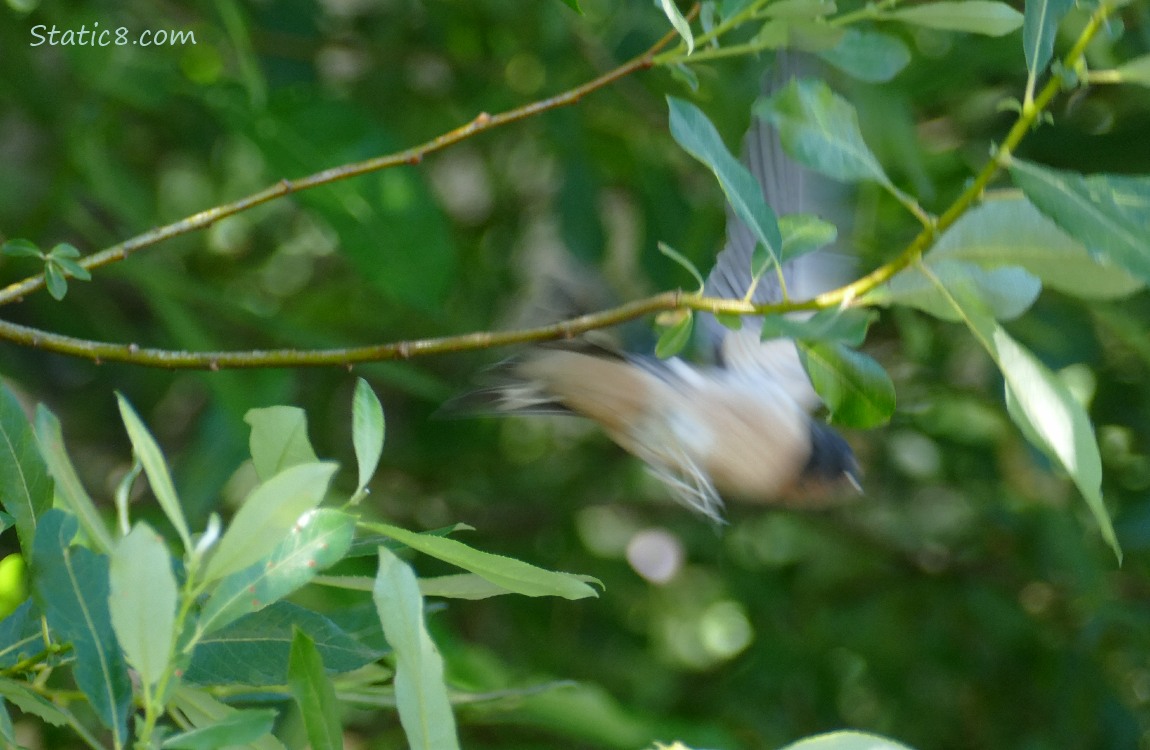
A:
148, 451
1044, 409
143, 601
420, 690
515, 575
367, 431
1039, 28
820, 130
25, 487
697, 136
50, 438
239, 728
208, 714
679, 23
267, 516
1109, 214
21, 695
1136, 71
855, 388
970, 16
279, 439
71, 588
1012, 232
314, 694
675, 337
320, 539
461, 586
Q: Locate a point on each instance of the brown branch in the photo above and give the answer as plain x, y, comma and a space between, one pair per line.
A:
482, 122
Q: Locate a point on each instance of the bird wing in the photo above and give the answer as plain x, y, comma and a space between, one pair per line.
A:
788, 188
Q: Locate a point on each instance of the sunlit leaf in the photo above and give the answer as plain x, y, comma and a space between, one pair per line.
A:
515, 575
1109, 214
148, 451
1136, 71
846, 740
805, 233
50, 438
238, 728
461, 586
318, 540
971, 16
367, 430
855, 388
698, 137
143, 601
679, 23
278, 439
267, 516
1044, 408
420, 691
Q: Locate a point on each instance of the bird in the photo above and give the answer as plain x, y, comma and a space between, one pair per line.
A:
740, 427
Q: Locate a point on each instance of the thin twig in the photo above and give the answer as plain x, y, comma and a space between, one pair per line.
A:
482, 122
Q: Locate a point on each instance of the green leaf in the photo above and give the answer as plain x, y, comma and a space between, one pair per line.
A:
367, 430
870, 56
73, 269
278, 439
820, 130
238, 728
675, 337
846, 740
55, 281
21, 635
685, 75
1006, 292
314, 694
846, 325
805, 233
1012, 232
511, 574
50, 438
1039, 28
420, 691
697, 136
679, 23
320, 539
573, 5
801, 10
21, 249
1109, 214
215, 718
1136, 71
1044, 408
156, 468
254, 649
461, 586
855, 388
71, 588
65, 251
25, 487
29, 701
970, 16
143, 601
267, 515
683, 261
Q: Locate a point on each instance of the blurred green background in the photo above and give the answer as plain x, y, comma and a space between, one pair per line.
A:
965, 602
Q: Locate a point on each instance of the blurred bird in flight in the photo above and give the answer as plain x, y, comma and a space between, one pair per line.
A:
740, 428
